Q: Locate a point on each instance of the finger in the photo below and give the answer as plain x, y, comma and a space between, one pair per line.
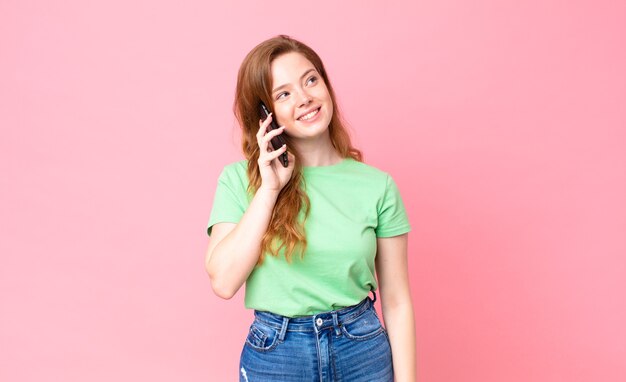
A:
263, 126
276, 153
263, 145
266, 159
264, 154
271, 134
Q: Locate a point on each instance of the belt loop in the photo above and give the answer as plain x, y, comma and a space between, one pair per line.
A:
283, 329
374, 300
336, 324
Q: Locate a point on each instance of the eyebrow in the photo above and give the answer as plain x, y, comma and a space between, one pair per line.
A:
302, 76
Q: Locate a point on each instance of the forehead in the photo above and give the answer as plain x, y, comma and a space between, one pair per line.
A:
289, 67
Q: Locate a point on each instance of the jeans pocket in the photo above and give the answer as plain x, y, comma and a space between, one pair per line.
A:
262, 337
364, 327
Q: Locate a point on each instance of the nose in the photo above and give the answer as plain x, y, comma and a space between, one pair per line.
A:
305, 99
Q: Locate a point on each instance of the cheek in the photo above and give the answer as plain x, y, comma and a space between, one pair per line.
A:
326, 97
330, 107
329, 110
281, 113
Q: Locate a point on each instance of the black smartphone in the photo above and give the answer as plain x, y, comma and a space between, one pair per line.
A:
278, 141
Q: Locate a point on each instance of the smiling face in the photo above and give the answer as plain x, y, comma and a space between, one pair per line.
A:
301, 101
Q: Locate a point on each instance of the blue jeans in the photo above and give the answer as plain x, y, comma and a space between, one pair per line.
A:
349, 344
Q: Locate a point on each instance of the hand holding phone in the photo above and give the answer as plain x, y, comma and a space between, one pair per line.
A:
277, 141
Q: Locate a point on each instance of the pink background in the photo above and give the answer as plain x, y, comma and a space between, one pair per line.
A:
504, 125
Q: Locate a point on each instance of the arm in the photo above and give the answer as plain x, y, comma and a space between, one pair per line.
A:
234, 249
393, 280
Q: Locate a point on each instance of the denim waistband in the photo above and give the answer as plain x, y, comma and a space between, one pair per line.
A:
315, 322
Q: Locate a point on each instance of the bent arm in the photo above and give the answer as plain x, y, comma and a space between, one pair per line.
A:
234, 249
397, 306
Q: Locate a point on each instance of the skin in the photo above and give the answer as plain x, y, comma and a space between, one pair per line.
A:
234, 248
294, 95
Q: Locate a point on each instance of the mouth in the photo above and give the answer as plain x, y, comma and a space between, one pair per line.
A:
310, 115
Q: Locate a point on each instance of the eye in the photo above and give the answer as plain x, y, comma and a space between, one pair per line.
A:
312, 79
280, 95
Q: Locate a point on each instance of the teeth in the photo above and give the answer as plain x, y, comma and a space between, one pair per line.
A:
309, 116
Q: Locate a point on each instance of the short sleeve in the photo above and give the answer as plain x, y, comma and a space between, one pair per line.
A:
228, 202
392, 217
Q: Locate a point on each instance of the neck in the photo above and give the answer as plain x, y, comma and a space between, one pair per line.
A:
317, 152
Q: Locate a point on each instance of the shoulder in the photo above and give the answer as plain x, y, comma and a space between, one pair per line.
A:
239, 166
235, 173
377, 182
372, 173
235, 168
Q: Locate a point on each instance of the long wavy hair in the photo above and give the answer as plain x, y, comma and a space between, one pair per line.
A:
254, 84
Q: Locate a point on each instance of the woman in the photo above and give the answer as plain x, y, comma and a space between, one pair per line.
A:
309, 239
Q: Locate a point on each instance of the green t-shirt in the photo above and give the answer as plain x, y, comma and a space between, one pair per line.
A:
351, 205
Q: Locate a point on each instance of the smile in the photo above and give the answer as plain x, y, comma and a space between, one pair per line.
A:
310, 115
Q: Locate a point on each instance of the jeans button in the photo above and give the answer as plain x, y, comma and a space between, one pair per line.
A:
319, 322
